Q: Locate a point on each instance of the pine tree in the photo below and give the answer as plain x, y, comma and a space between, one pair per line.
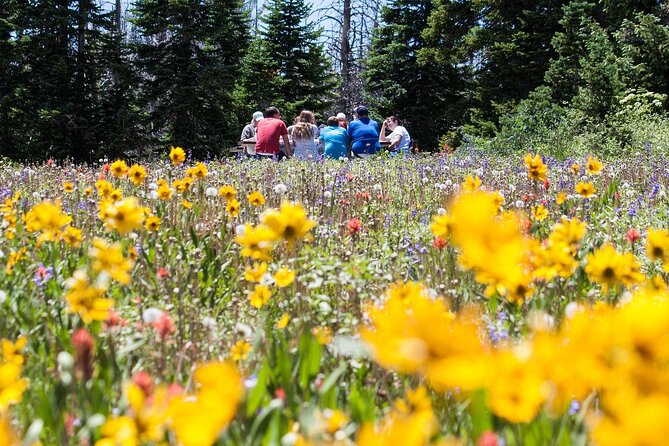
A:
286, 66
188, 59
425, 96
8, 71
505, 43
57, 94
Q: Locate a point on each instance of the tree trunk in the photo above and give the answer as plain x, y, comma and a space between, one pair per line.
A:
345, 57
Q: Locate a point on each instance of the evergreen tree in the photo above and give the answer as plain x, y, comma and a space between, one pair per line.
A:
505, 43
56, 89
188, 59
596, 66
286, 66
425, 96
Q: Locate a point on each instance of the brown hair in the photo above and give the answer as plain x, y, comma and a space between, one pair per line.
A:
393, 119
303, 130
306, 116
332, 121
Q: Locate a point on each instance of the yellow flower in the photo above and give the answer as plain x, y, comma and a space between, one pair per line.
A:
630, 418
177, 155
14, 258
48, 218
289, 223
187, 204
164, 192
575, 168
284, 277
561, 198
568, 231
115, 195
11, 351
593, 166
149, 414
137, 174
7, 435
103, 188
240, 351
657, 244
585, 190
152, 223
536, 169
12, 385
119, 431
109, 259
552, 260
322, 334
402, 337
86, 299
197, 420
256, 273
186, 184
260, 296
88, 191
336, 420
609, 268
72, 236
198, 171
257, 242
256, 198
283, 322
491, 245
539, 213
414, 429
68, 187
441, 225
232, 208
518, 404
227, 192
119, 168
471, 184
124, 216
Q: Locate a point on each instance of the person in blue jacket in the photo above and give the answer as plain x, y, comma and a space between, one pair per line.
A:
335, 139
364, 134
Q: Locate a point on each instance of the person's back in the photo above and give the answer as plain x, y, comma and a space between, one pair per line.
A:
335, 139
268, 133
303, 139
364, 133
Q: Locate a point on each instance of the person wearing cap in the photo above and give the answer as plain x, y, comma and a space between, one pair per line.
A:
249, 131
399, 138
363, 134
343, 122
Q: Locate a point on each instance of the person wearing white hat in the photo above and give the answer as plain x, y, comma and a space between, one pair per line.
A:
343, 122
249, 131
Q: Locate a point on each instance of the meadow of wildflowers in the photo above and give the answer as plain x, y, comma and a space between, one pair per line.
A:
466, 299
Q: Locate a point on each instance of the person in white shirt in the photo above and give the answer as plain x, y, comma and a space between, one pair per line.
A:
249, 132
399, 138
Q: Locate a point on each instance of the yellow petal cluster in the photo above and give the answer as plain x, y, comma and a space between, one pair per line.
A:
536, 169
198, 419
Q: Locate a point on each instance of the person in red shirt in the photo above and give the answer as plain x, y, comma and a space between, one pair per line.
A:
268, 133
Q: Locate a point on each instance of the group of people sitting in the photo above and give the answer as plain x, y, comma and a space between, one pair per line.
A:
268, 136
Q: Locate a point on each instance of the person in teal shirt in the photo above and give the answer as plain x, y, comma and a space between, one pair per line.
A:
335, 139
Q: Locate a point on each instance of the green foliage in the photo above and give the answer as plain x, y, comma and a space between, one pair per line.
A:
426, 96
285, 65
189, 58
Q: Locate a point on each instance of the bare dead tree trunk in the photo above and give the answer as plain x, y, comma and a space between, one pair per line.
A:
345, 56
